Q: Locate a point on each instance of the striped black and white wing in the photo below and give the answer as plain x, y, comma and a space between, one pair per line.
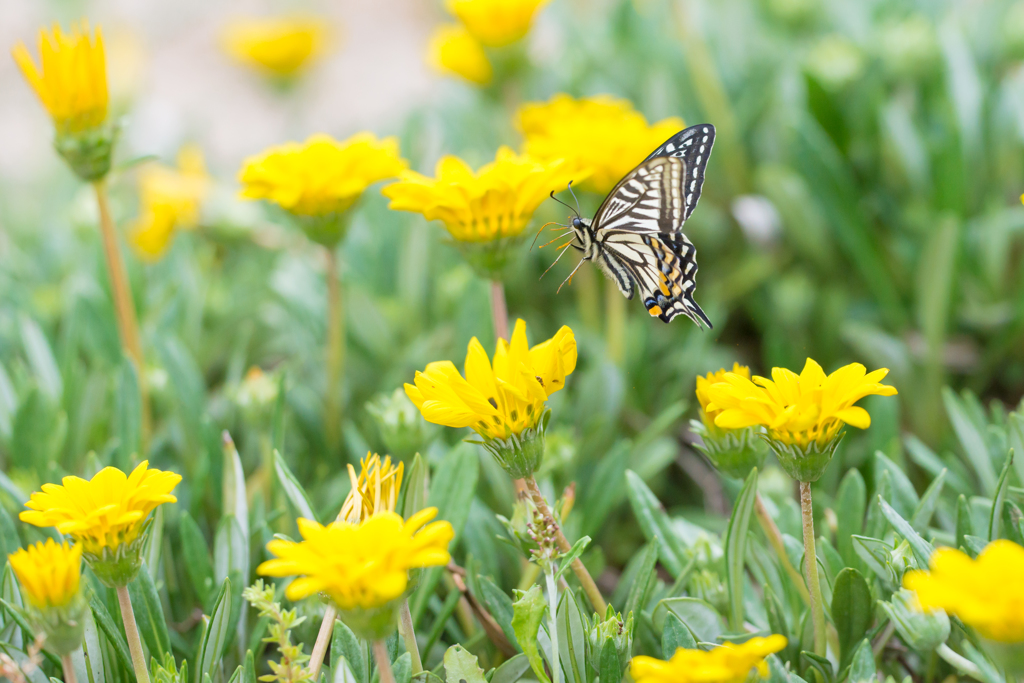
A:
693, 147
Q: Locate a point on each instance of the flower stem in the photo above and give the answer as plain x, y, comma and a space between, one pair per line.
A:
408, 631
124, 307
131, 630
499, 310
615, 321
69, 669
811, 570
335, 352
323, 639
775, 539
589, 587
552, 591
380, 654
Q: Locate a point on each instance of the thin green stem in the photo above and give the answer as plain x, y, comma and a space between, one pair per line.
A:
408, 631
69, 669
811, 570
131, 630
323, 639
775, 539
380, 654
552, 595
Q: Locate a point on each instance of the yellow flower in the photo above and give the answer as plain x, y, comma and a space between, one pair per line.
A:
496, 23
726, 664
496, 202
49, 573
705, 382
986, 593
375, 490
320, 176
498, 400
279, 46
105, 512
72, 83
797, 409
453, 50
169, 199
362, 565
601, 136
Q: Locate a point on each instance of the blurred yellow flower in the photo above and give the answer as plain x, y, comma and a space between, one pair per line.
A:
362, 565
498, 400
705, 382
496, 23
48, 572
320, 176
169, 199
72, 83
105, 512
726, 664
986, 593
375, 490
497, 201
279, 46
797, 409
601, 136
453, 50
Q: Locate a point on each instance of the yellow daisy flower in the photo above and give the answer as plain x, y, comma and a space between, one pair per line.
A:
374, 491
170, 198
496, 23
359, 566
49, 573
600, 136
280, 46
454, 50
986, 593
493, 203
726, 664
72, 80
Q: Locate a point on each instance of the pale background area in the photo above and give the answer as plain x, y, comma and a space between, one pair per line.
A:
169, 75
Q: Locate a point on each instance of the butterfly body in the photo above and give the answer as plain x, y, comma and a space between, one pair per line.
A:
636, 234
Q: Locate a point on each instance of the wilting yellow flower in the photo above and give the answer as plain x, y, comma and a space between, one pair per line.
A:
105, 512
726, 664
49, 572
279, 46
496, 23
986, 593
320, 176
359, 565
601, 136
705, 382
453, 50
496, 400
72, 83
169, 199
798, 409
497, 201
374, 491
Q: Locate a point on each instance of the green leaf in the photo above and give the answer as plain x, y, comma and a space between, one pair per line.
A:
862, 665
697, 615
345, 645
926, 508
922, 549
645, 577
461, 667
149, 613
572, 639
197, 559
851, 611
453, 485
971, 439
215, 635
610, 665
655, 524
293, 489
528, 614
511, 670
996, 518
851, 500
736, 548
675, 635
111, 632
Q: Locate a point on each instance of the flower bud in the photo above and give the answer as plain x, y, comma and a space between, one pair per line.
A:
923, 631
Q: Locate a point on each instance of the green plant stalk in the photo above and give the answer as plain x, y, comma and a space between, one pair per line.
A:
615, 321
811, 570
552, 594
499, 310
775, 539
584, 577
131, 630
69, 669
335, 352
323, 639
408, 632
960, 663
380, 654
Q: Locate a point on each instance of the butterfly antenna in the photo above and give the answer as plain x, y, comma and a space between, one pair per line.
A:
562, 250
574, 197
552, 195
569, 279
542, 230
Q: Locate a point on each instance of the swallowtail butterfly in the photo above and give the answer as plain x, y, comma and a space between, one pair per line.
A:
636, 235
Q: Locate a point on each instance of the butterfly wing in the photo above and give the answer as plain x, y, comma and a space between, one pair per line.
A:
693, 146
